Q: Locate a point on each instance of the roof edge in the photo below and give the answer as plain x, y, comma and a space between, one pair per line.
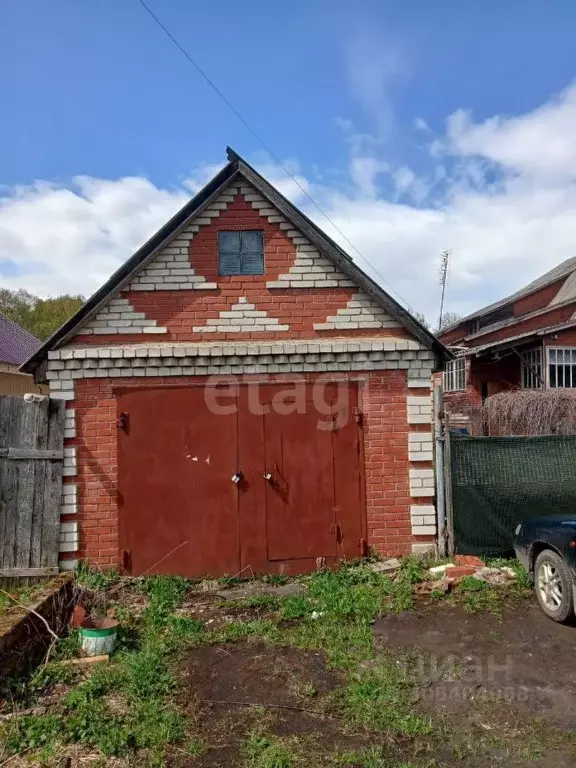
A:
237, 164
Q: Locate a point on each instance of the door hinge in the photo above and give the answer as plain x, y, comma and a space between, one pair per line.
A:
363, 546
122, 420
358, 415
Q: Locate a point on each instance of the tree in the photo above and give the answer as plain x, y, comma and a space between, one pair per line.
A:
40, 317
422, 320
448, 318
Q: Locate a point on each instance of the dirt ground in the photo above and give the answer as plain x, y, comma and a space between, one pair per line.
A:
487, 677
521, 657
238, 686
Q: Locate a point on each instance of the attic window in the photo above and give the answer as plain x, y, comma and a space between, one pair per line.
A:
241, 253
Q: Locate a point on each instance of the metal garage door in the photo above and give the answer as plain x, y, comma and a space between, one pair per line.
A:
300, 493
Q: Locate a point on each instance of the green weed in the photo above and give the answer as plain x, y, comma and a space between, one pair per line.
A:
380, 699
261, 751
95, 578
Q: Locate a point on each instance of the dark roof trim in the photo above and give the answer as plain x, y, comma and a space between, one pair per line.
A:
334, 252
135, 262
316, 236
512, 341
555, 274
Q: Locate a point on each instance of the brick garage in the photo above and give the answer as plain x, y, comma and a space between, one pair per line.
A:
241, 293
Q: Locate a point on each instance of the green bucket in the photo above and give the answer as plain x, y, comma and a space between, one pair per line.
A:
98, 636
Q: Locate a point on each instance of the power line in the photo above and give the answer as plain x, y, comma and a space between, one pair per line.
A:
265, 146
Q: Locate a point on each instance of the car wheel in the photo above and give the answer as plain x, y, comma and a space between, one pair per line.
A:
554, 586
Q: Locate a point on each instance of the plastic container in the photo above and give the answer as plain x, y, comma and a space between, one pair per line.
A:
98, 636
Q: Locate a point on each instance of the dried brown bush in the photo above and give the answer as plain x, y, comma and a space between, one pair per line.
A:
529, 412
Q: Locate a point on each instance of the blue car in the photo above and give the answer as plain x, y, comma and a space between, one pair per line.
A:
546, 547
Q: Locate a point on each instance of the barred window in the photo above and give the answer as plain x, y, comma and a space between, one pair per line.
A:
532, 368
562, 367
241, 253
454, 378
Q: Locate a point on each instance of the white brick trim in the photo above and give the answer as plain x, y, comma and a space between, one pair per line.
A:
310, 268
62, 388
69, 536
420, 446
233, 358
170, 269
421, 482
423, 519
360, 312
69, 499
423, 547
119, 316
419, 409
242, 316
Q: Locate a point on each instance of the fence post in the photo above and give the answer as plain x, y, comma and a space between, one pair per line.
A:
448, 487
440, 474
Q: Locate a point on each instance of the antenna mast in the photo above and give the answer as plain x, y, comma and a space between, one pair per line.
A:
442, 276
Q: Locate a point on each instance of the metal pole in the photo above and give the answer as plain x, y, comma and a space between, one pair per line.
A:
440, 478
448, 486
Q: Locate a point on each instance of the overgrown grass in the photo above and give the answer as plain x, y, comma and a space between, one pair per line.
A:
127, 708
264, 751
122, 707
382, 698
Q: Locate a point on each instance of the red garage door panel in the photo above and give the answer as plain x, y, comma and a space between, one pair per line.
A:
178, 506
300, 493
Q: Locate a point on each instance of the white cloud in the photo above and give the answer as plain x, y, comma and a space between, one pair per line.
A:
376, 65
501, 195
541, 144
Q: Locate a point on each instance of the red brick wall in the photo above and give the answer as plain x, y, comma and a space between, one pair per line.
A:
181, 310
524, 306
385, 433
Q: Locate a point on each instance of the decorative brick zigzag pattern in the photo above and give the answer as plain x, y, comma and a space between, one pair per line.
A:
119, 316
242, 316
360, 312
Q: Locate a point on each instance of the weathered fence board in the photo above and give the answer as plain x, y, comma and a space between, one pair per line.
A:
31, 458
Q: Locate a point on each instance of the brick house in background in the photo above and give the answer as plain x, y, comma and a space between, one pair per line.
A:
527, 340
241, 396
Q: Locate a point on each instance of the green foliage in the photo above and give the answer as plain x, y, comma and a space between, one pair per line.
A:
276, 579
296, 607
32, 732
262, 751
379, 698
237, 630
40, 317
95, 578
412, 569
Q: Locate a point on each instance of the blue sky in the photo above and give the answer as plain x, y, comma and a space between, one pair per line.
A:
96, 90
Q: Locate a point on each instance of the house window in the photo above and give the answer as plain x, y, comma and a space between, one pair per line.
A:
240, 253
532, 369
562, 367
455, 375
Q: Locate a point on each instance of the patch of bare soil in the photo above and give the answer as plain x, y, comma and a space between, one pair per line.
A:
229, 689
521, 659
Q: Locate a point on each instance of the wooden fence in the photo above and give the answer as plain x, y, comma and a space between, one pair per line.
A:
31, 459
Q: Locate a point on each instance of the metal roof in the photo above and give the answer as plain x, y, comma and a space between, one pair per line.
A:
16, 344
511, 340
237, 166
557, 273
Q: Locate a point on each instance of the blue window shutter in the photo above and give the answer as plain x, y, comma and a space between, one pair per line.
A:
252, 253
229, 253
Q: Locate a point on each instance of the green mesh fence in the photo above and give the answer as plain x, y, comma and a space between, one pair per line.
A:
499, 481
